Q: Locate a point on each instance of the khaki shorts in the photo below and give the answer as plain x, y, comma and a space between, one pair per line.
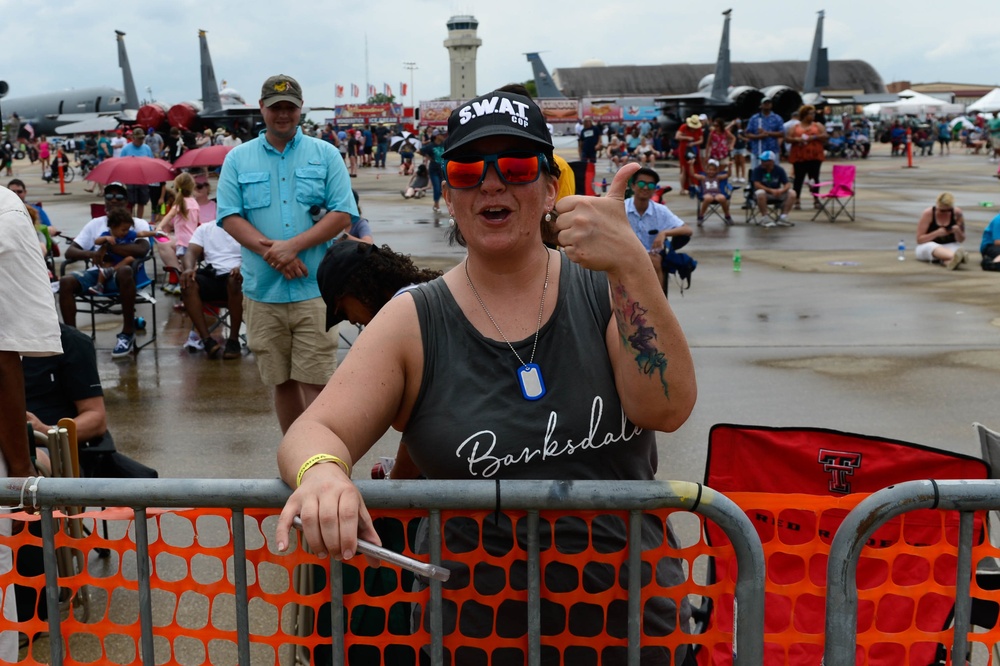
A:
290, 341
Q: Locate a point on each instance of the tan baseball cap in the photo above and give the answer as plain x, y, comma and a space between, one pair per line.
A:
281, 88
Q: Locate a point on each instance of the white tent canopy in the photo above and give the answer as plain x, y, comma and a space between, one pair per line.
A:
912, 103
988, 103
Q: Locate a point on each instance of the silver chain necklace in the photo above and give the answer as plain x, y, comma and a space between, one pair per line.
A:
529, 375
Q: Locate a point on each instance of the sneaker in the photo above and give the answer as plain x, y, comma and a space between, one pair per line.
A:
701, 220
728, 220
194, 343
97, 289
769, 223
123, 346
955, 261
232, 350
783, 221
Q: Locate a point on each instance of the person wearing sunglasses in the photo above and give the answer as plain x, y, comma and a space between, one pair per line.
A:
652, 222
521, 362
85, 248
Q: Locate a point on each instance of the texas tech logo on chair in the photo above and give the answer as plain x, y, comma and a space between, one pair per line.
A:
840, 465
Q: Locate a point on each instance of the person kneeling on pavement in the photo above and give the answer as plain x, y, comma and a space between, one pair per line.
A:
218, 280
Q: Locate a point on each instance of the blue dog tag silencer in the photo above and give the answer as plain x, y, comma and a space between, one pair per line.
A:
529, 376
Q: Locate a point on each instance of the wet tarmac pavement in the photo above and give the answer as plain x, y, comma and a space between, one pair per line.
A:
822, 327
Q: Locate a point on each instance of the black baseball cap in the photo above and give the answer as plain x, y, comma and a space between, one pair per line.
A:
341, 261
493, 114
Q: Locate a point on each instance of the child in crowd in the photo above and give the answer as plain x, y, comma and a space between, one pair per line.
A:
418, 184
180, 222
713, 190
120, 232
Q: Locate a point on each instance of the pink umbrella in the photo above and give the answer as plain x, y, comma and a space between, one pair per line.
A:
209, 156
131, 171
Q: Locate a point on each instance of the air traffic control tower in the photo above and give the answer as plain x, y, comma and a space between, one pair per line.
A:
462, 44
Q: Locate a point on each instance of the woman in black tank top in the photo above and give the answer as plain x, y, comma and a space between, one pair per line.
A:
941, 232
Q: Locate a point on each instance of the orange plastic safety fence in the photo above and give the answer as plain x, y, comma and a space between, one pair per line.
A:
583, 591
906, 580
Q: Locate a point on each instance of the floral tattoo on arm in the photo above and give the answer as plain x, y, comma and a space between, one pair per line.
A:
638, 336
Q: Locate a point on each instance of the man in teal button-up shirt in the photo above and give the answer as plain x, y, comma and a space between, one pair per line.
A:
284, 197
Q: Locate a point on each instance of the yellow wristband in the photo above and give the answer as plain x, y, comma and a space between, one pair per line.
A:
318, 459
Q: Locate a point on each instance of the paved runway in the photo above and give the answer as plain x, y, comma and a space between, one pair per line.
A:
823, 327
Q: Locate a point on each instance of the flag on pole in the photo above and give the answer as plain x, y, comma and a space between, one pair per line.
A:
371, 90
355, 91
388, 90
340, 91
402, 89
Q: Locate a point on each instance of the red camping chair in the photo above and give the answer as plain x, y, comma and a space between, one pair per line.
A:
835, 200
796, 485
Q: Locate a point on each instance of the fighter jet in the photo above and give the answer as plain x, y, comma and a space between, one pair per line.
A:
82, 110
216, 107
714, 93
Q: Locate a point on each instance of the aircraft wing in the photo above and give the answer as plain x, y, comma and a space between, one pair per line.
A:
89, 125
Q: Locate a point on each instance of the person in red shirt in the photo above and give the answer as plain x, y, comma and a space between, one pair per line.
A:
688, 137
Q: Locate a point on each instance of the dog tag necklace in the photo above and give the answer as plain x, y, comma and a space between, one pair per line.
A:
529, 375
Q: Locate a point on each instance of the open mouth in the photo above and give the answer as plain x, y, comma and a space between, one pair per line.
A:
496, 213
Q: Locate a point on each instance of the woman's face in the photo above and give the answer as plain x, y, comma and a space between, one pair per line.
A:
355, 311
495, 215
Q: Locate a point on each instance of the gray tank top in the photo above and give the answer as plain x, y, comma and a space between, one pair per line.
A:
470, 420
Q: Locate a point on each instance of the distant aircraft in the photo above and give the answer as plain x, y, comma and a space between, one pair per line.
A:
714, 92
83, 110
818, 69
216, 107
545, 87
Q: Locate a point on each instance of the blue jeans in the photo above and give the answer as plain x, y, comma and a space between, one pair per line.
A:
380, 152
436, 184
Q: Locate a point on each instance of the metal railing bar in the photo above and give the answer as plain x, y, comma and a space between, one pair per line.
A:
240, 581
50, 559
963, 600
534, 593
145, 597
635, 585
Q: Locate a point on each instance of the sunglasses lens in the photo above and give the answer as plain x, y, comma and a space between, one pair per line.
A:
463, 175
114, 197
518, 170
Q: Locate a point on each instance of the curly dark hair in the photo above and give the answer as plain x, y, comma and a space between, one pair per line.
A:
382, 274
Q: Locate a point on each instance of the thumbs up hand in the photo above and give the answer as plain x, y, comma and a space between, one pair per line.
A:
594, 231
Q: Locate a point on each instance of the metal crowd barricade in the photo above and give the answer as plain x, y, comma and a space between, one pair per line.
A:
633, 497
967, 497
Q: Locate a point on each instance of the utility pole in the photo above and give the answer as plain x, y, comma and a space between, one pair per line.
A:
412, 66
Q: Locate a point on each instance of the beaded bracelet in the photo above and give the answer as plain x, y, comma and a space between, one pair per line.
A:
316, 460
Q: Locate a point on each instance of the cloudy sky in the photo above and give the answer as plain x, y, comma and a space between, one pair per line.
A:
54, 45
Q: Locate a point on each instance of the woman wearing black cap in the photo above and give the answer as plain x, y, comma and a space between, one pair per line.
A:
520, 363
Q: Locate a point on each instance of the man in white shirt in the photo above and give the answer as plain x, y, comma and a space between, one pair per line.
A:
117, 144
123, 281
218, 280
34, 331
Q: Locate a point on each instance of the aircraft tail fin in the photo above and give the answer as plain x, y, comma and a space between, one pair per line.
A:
209, 84
131, 97
723, 69
545, 86
818, 69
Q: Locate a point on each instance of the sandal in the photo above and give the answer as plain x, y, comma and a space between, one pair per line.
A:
211, 346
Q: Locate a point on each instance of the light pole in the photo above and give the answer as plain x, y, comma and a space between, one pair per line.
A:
412, 66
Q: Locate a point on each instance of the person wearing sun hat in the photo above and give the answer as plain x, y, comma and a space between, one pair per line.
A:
284, 197
491, 370
688, 137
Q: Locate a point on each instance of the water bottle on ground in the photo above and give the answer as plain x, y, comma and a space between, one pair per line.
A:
902, 251
737, 262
